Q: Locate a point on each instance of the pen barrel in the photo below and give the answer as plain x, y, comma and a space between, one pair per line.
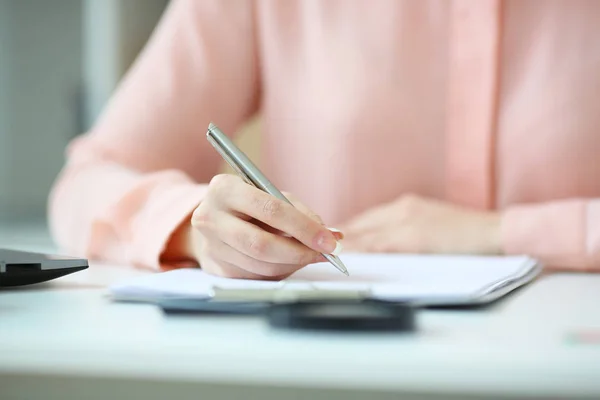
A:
241, 163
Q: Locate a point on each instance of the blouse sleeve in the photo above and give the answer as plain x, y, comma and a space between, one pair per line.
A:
130, 181
562, 234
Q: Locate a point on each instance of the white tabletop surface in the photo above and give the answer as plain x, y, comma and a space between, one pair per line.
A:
66, 339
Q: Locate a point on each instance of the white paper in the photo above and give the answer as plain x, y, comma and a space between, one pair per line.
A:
427, 279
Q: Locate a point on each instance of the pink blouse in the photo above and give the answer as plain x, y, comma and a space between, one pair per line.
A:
489, 104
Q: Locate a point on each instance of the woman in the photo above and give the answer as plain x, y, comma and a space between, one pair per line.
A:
413, 126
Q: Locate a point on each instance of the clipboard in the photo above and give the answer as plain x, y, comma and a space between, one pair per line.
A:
257, 300
420, 280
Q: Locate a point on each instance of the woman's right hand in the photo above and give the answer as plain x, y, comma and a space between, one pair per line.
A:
239, 231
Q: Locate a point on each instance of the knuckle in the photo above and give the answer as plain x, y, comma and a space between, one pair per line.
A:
271, 209
200, 217
258, 245
220, 182
241, 238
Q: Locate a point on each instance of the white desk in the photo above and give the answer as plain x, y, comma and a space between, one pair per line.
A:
66, 340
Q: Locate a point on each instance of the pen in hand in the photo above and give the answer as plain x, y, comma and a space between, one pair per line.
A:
246, 169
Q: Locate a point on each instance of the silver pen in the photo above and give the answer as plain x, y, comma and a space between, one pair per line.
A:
252, 175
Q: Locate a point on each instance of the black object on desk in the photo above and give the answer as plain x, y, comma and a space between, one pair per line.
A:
20, 268
314, 314
365, 315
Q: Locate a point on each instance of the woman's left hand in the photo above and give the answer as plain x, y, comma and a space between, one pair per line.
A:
416, 225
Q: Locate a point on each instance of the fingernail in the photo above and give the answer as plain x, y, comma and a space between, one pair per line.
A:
338, 249
338, 234
326, 242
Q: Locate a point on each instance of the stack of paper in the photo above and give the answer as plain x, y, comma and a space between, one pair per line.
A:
423, 280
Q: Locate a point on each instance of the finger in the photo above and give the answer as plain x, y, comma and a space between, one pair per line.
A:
266, 227
261, 245
227, 254
284, 217
338, 234
224, 186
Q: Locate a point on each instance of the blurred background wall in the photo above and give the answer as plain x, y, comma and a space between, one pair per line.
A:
60, 60
40, 74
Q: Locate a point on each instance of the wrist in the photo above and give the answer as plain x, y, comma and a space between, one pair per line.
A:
180, 246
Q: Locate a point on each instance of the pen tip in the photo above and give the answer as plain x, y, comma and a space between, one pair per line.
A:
338, 264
